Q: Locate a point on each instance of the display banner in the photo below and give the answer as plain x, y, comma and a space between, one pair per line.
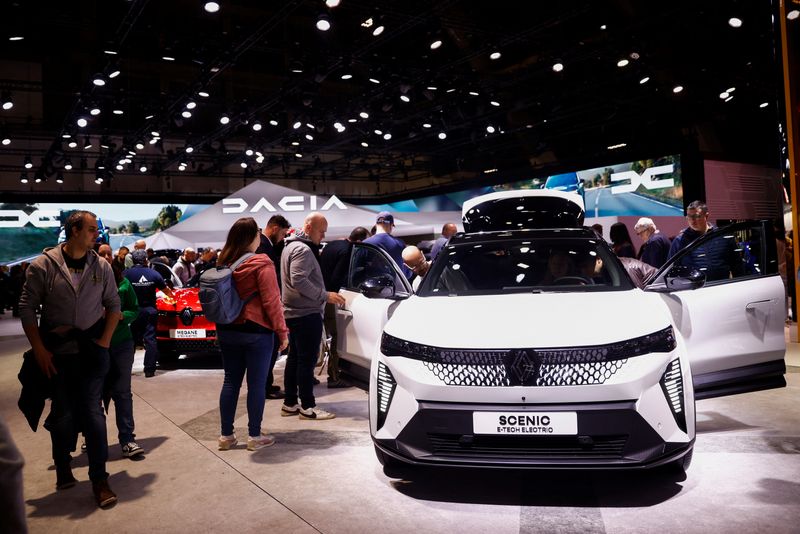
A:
27, 229
642, 188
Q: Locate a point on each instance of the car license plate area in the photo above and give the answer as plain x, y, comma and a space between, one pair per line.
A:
525, 423
187, 333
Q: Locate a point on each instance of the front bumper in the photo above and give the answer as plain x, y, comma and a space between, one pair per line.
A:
611, 435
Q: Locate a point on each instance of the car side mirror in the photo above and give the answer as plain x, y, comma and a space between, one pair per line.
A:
681, 277
379, 287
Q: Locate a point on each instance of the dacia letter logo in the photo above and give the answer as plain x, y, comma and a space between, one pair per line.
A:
646, 179
287, 203
39, 219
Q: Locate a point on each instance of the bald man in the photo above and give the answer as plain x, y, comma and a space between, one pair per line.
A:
304, 297
138, 245
448, 231
184, 267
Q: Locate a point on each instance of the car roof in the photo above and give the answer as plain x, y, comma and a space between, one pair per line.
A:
529, 233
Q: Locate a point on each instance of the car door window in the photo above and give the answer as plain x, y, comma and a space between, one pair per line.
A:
370, 263
740, 251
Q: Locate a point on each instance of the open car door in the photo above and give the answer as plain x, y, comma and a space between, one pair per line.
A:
375, 285
733, 324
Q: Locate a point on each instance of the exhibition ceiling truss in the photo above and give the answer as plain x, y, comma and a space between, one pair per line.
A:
379, 90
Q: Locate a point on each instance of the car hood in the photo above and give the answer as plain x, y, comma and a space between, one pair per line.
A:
184, 298
528, 320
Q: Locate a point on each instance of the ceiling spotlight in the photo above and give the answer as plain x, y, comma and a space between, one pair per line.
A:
603, 27
558, 67
735, 22
211, 7
763, 104
114, 73
442, 135
82, 122
243, 164
364, 115
474, 93
308, 124
6, 99
332, 3
139, 145
426, 125
346, 76
352, 120
67, 164
387, 136
431, 88
623, 63
155, 133
309, 137
256, 126
186, 114
792, 15
323, 24
154, 140
189, 149
377, 31
724, 94
495, 55
204, 94
404, 98
23, 178
143, 168
373, 80
98, 80
224, 119
94, 111
168, 58
117, 112
490, 129
28, 164
436, 44
6, 140
297, 125
495, 103
72, 144
619, 145
16, 38
644, 80
110, 52
87, 143
298, 155
60, 177
248, 152
273, 122
364, 144
378, 132
295, 143
730, 89
191, 105
677, 89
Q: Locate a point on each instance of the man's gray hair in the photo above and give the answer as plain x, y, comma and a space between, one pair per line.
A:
645, 223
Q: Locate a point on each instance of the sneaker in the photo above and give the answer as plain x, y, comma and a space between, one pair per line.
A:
103, 494
254, 444
226, 442
131, 449
287, 411
315, 413
64, 478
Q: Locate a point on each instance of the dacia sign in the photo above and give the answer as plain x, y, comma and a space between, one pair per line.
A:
286, 204
39, 219
645, 179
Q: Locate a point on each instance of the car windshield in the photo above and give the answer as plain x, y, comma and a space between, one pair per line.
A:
535, 265
561, 180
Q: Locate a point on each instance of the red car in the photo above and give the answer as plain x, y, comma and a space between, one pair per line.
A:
182, 327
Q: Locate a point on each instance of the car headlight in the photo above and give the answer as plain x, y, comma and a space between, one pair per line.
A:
660, 341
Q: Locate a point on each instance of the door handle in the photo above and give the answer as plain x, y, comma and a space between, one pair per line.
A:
344, 313
759, 304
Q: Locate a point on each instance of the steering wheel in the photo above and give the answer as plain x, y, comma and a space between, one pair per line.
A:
569, 280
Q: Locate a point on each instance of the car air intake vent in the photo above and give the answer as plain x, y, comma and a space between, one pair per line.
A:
525, 448
524, 371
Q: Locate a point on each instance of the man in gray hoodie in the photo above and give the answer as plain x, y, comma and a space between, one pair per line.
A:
80, 309
304, 297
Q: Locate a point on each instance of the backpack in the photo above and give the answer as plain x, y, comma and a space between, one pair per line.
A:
218, 296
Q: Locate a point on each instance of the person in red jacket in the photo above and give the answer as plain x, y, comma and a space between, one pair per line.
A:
247, 342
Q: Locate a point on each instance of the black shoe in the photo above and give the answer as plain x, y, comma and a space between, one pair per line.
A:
275, 394
64, 478
103, 494
339, 383
149, 374
316, 381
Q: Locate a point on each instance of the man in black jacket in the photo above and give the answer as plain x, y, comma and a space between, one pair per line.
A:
272, 242
335, 263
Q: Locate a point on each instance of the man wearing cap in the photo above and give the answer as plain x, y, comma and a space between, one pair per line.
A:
145, 281
383, 238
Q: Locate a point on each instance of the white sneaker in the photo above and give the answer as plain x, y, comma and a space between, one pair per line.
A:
254, 444
226, 442
287, 411
316, 414
131, 449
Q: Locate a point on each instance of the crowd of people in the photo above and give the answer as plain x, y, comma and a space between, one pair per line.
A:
83, 307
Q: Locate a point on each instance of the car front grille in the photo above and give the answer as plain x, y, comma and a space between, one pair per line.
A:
525, 372
528, 448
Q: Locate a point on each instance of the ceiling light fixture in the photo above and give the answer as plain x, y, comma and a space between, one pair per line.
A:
364, 115
186, 114
474, 93
67, 164
603, 27
256, 126
110, 52
677, 89
729, 98
620, 145
204, 94
98, 80
730, 89
82, 122
6, 140
436, 44
87, 143
60, 177
644, 80
793, 14
490, 129
224, 119
426, 125
117, 111
309, 125
323, 24
139, 145
364, 144
114, 73
168, 58
346, 76
16, 38
495, 55
404, 98
211, 7
28, 164
72, 144
558, 67
8, 103
373, 80
273, 122
23, 178
189, 149
387, 136
725, 94
191, 104
309, 137
442, 135
297, 125
495, 103
735, 22
763, 105
298, 155
332, 3
377, 31
623, 63
95, 111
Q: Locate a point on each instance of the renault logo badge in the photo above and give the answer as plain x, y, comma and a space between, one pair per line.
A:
187, 316
522, 367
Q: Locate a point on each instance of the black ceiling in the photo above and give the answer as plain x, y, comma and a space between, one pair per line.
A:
245, 56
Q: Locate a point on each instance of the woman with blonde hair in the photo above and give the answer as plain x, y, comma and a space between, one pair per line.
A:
247, 342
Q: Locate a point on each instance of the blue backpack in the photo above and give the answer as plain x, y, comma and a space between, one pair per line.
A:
218, 296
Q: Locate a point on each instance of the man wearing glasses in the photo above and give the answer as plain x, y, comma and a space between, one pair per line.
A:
697, 217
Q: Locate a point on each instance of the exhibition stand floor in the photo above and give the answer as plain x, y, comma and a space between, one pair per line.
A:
322, 476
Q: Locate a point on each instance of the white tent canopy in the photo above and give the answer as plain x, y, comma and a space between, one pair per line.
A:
166, 240
261, 200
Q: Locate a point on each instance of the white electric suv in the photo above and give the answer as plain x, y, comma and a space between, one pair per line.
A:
527, 344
